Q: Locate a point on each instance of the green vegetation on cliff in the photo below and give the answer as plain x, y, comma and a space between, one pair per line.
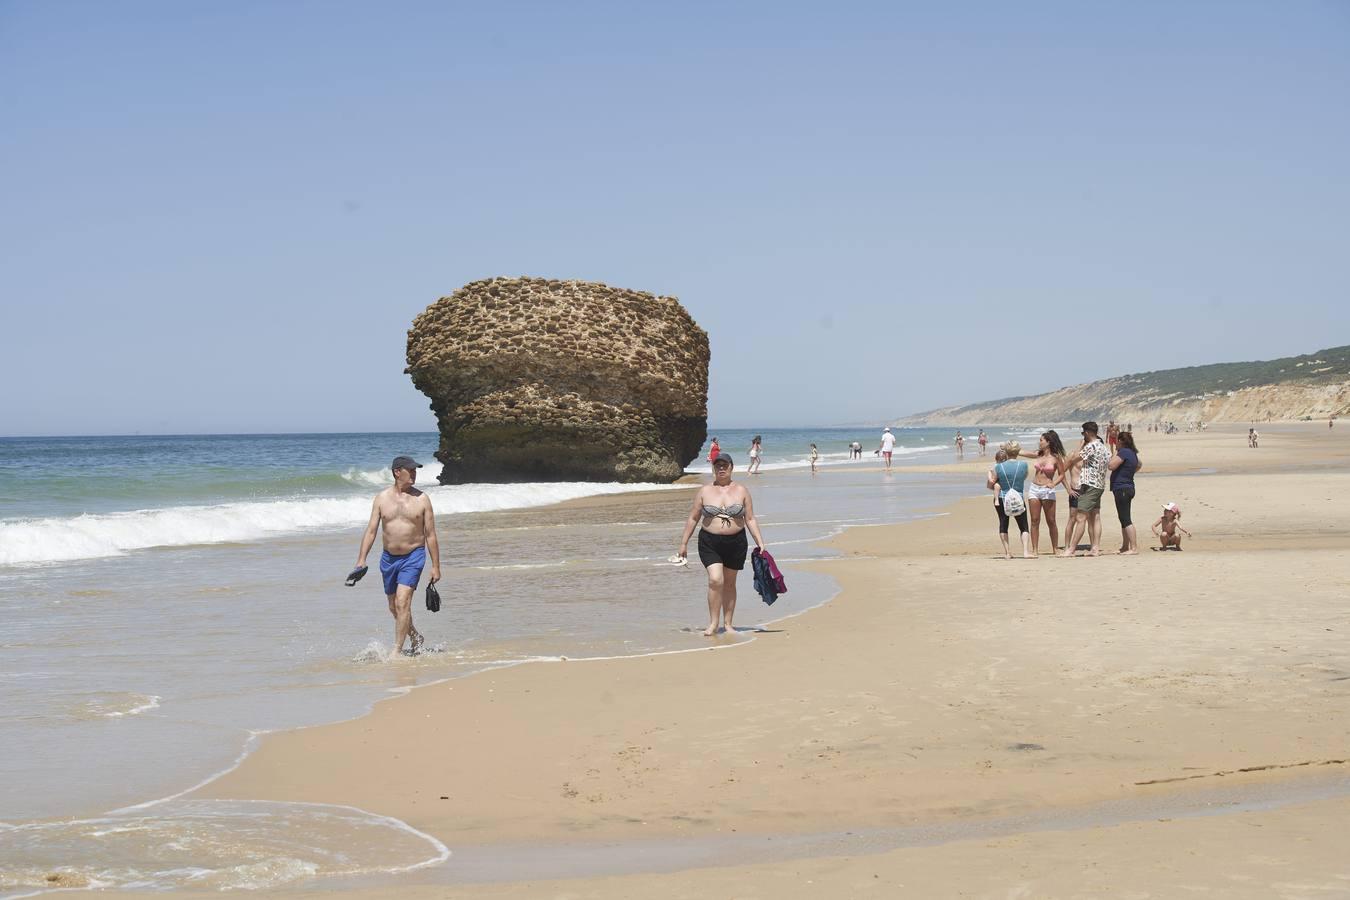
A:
1311, 385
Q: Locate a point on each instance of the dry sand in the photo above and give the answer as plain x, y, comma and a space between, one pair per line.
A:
984, 728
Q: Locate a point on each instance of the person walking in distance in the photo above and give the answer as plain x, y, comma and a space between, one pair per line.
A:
756, 449
405, 516
1093, 456
887, 447
984, 441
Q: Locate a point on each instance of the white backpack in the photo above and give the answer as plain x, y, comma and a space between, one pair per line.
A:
1013, 502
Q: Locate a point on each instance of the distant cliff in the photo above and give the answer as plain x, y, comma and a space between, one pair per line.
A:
1314, 386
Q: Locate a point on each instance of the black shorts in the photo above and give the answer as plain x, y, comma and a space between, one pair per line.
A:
727, 549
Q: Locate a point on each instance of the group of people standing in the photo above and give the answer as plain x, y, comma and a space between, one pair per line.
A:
1086, 474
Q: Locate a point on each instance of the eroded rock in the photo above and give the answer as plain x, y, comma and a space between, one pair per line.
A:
535, 379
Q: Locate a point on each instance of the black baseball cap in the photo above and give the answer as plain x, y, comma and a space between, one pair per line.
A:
405, 462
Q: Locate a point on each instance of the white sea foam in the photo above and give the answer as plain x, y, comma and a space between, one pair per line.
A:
703, 467
384, 477
221, 845
372, 652
144, 703
29, 541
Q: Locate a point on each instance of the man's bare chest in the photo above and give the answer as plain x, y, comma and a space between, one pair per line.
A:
401, 509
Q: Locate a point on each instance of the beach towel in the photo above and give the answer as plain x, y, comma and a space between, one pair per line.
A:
769, 581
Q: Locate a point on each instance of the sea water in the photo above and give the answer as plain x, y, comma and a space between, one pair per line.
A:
164, 601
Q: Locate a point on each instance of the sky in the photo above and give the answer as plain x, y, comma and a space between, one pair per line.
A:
223, 216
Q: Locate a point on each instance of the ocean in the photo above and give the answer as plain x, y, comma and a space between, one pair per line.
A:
167, 600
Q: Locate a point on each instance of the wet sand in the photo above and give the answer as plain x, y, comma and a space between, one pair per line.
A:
944, 689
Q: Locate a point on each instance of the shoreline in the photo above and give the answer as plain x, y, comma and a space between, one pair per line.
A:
654, 774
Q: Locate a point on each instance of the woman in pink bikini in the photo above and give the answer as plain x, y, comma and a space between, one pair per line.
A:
1048, 471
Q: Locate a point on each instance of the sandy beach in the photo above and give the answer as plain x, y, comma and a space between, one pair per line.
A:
951, 725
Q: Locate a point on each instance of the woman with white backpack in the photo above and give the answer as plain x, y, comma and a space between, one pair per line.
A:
1007, 479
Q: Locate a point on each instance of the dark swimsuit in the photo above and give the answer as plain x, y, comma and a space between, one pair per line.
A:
723, 549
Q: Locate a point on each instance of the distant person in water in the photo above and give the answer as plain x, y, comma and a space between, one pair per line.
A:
724, 511
713, 451
887, 447
855, 450
756, 449
815, 458
1166, 528
404, 514
984, 441
960, 446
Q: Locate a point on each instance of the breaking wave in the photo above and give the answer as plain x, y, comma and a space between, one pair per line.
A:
62, 539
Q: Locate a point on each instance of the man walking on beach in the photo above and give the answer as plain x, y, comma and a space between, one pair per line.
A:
409, 531
887, 447
1093, 456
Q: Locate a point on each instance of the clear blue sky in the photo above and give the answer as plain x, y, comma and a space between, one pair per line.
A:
223, 216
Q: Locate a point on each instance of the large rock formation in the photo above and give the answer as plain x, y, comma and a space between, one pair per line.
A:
534, 379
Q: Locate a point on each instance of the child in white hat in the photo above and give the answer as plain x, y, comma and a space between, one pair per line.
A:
1170, 523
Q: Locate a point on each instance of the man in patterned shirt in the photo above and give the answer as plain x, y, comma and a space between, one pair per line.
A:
1094, 456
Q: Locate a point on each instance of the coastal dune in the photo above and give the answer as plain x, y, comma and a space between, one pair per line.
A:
952, 724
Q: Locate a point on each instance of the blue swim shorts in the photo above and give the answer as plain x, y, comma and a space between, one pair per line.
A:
405, 569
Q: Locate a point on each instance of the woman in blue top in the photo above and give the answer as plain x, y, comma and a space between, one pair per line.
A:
1123, 466
1009, 474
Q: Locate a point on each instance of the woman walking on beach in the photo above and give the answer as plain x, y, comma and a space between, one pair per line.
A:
1048, 471
725, 512
1009, 474
1123, 467
714, 451
756, 450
